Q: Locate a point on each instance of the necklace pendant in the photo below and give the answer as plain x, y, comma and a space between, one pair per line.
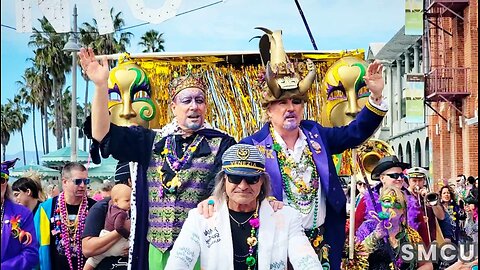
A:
174, 183
316, 146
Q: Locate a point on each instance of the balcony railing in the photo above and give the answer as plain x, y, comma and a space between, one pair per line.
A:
446, 7
447, 83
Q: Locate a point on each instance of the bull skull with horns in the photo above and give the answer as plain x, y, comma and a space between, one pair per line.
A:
281, 74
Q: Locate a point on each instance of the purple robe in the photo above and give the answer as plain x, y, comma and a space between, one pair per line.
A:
16, 255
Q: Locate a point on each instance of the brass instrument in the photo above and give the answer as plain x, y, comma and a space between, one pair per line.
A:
431, 198
370, 152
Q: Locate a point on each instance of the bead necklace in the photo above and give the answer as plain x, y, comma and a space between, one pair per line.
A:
176, 163
305, 199
252, 240
65, 231
240, 224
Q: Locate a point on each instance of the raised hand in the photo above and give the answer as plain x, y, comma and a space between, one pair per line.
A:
374, 78
97, 72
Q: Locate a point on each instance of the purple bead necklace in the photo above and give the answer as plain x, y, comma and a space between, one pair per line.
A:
79, 227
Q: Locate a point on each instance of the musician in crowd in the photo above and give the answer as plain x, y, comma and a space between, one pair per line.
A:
431, 209
389, 171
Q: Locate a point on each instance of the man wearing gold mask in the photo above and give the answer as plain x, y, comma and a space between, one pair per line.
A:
175, 171
298, 152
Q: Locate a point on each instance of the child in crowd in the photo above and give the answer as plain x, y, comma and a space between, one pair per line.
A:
117, 219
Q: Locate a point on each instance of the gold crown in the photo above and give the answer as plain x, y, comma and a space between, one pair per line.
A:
188, 81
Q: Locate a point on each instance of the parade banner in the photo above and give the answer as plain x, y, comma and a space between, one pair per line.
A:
414, 98
414, 17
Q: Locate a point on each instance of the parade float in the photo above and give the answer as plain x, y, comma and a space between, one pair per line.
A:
138, 95
138, 90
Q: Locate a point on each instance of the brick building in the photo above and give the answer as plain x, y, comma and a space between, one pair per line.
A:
450, 58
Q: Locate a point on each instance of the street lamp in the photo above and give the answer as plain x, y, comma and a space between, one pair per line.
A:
72, 47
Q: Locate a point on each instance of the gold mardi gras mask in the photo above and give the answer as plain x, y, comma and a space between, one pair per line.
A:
345, 90
130, 95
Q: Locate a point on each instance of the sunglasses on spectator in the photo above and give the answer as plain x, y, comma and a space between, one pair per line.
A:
79, 181
237, 179
395, 175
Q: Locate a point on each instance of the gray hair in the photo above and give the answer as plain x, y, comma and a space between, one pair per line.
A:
219, 190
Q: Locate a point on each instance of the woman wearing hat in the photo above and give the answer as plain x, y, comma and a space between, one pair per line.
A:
244, 232
389, 171
390, 224
19, 249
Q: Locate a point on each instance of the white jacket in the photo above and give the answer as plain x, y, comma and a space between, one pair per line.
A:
280, 236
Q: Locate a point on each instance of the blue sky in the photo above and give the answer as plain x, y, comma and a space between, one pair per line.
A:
227, 26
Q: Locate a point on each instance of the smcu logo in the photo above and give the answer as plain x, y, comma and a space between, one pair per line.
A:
447, 252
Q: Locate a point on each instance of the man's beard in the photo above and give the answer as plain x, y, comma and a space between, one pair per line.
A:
290, 126
194, 126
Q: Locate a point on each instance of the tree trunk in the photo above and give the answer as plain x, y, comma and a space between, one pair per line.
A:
23, 147
64, 137
58, 124
41, 129
45, 125
35, 135
85, 114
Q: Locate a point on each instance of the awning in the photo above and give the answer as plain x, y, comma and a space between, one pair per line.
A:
42, 170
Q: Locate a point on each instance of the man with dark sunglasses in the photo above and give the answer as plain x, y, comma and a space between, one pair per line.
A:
390, 172
60, 221
245, 232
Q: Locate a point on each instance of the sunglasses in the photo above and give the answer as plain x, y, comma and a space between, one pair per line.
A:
79, 181
396, 175
237, 179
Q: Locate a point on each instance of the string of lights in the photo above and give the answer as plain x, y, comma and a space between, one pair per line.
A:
137, 25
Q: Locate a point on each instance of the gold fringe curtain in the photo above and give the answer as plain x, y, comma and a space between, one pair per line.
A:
233, 94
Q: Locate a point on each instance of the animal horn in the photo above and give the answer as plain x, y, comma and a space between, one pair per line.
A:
271, 82
306, 83
268, 31
254, 38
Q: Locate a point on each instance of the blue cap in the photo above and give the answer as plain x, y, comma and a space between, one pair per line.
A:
243, 160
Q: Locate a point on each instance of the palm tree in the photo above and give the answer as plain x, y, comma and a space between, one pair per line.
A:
29, 96
20, 117
103, 44
66, 119
153, 41
115, 42
7, 126
49, 53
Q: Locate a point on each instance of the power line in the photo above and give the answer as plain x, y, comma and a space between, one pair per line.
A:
133, 26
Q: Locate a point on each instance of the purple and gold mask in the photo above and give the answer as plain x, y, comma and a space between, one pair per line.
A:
130, 95
345, 90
